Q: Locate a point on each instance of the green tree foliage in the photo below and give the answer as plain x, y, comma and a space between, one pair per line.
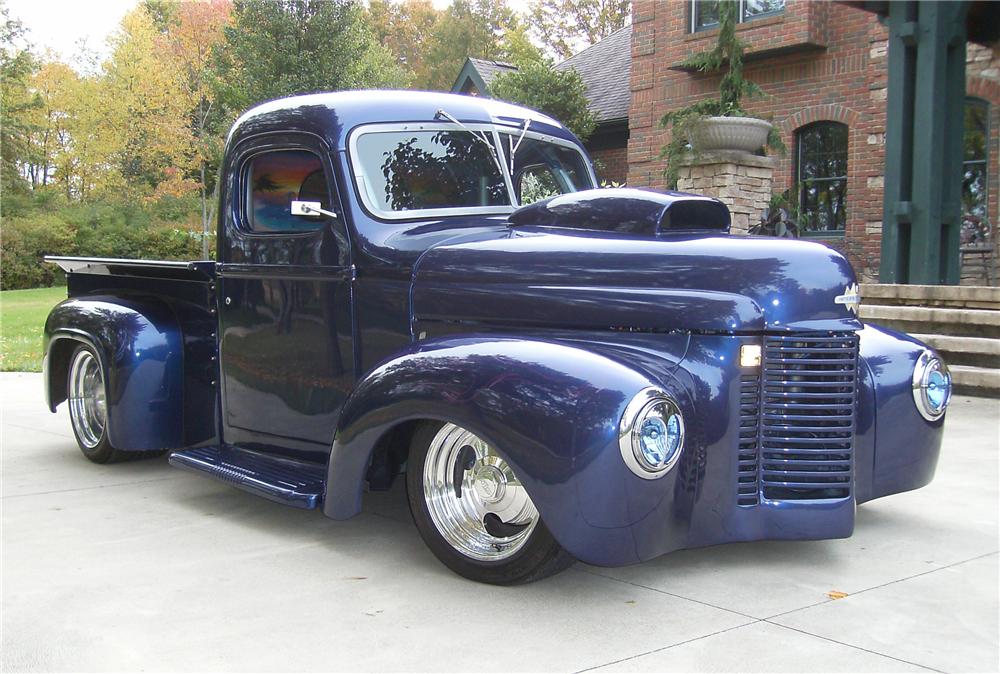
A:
558, 93
565, 27
17, 102
276, 48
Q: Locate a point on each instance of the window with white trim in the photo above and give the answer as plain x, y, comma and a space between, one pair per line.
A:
705, 13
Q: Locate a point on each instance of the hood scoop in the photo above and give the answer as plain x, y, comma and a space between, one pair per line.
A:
629, 211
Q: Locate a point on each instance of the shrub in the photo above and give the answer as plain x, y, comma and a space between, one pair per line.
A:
25, 240
100, 229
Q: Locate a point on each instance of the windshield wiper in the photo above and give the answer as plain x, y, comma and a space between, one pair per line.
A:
479, 135
513, 146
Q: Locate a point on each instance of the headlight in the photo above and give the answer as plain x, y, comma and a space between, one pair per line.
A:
931, 386
651, 434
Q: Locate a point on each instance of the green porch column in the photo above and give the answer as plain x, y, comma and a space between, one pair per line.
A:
923, 147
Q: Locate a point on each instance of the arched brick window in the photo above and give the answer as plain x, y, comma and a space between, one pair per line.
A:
975, 158
821, 176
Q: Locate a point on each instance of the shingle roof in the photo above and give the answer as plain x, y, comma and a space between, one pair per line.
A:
605, 68
490, 69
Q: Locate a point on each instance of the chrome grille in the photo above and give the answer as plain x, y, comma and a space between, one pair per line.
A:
796, 435
747, 490
807, 416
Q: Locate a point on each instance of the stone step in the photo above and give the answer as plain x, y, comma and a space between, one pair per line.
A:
934, 320
975, 351
984, 381
971, 297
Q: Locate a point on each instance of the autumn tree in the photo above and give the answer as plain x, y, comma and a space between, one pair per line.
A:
144, 131
54, 86
284, 47
192, 31
565, 27
406, 29
560, 94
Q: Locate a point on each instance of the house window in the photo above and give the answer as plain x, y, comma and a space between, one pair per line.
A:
705, 13
821, 174
975, 156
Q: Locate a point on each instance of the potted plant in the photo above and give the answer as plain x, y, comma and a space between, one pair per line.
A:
780, 218
722, 123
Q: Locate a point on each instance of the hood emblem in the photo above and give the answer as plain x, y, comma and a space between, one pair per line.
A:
851, 298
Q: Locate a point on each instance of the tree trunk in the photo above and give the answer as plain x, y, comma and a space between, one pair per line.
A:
204, 216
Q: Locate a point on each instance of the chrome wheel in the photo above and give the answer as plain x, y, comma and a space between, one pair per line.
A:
88, 409
474, 499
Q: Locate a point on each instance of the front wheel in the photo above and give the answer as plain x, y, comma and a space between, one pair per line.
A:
472, 511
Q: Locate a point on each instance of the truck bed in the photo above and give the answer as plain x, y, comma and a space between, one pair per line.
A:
187, 281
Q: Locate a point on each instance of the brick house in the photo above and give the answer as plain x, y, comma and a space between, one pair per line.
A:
824, 67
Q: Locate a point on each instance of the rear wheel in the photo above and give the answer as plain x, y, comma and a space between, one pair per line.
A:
473, 512
88, 407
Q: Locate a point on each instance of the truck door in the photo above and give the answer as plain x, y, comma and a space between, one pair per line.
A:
286, 355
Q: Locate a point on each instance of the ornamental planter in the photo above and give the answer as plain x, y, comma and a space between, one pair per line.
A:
745, 134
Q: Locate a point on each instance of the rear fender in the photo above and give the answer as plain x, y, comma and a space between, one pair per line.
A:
140, 349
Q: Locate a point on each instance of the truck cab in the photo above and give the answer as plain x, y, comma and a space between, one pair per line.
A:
430, 287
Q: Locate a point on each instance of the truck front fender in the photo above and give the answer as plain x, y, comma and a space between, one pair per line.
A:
905, 446
140, 349
551, 409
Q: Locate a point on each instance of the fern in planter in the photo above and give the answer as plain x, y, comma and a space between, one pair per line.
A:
727, 56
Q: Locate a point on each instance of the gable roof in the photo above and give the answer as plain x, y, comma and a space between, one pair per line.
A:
480, 73
605, 68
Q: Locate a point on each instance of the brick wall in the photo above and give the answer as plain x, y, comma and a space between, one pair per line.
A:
612, 164
816, 61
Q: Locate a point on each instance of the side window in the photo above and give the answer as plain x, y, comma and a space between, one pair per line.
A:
535, 183
275, 179
543, 170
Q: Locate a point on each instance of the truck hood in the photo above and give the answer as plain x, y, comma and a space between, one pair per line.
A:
563, 278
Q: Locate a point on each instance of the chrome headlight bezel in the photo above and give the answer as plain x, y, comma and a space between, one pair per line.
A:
648, 402
927, 364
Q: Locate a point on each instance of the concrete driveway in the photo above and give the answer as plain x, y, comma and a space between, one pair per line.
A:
139, 566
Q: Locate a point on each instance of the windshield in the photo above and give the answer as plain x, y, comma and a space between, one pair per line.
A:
410, 173
417, 170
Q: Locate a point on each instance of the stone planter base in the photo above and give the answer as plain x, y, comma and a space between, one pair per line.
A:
740, 180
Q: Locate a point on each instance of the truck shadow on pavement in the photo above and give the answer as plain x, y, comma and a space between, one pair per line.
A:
385, 528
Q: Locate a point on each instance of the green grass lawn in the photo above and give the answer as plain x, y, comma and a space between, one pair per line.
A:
22, 317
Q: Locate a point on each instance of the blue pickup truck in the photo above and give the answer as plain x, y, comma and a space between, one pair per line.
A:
429, 287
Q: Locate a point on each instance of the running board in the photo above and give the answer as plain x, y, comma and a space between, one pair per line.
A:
295, 483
